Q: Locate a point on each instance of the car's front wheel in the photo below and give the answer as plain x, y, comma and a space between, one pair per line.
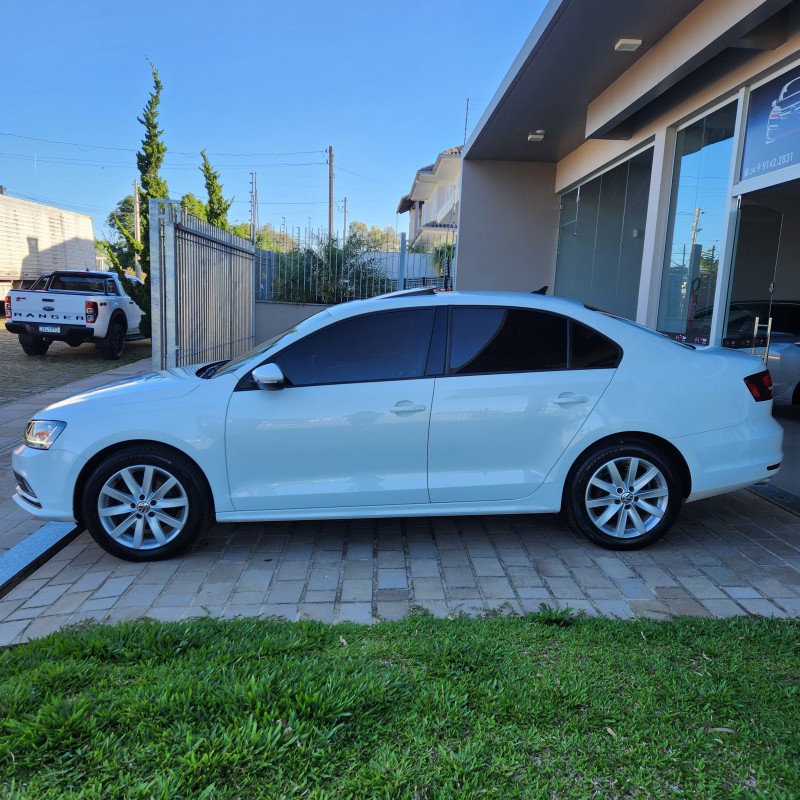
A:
623, 496
145, 503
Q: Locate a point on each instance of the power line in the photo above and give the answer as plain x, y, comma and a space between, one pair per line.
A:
176, 152
79, 162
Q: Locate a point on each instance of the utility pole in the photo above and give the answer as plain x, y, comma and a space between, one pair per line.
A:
695, 228
330, 191
137, 229
344, 233
253, 207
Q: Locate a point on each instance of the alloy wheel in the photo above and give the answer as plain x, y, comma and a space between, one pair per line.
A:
627, 497
143, 507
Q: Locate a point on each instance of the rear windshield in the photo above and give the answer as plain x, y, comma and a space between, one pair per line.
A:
78, 283
644, 328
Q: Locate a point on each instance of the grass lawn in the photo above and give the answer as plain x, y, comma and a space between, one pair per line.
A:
527, 707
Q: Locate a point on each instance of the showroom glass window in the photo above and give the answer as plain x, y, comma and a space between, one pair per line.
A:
699, 205
391, 345
496, 340
601, 236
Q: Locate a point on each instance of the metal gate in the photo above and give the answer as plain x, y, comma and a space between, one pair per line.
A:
202, 289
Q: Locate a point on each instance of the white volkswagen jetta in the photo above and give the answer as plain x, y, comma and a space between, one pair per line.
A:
414, 403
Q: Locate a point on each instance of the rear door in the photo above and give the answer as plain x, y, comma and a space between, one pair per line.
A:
519, 385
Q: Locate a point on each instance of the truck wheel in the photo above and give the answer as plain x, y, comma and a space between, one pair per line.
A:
112, 345
33, 345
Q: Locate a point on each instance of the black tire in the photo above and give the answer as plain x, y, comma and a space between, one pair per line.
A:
605, 505
130, 524
113, 343
34, 345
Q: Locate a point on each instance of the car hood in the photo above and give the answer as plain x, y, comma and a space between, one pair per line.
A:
154, 387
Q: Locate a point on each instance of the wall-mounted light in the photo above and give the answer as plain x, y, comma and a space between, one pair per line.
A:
536, 136
627, 45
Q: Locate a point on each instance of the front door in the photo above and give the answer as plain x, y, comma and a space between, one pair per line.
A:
351, 427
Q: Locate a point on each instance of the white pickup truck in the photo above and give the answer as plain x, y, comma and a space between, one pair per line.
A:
73, 307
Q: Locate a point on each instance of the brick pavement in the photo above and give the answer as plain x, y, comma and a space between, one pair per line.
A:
727, 556
733, 555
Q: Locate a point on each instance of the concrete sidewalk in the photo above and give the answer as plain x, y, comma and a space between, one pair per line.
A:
733, 555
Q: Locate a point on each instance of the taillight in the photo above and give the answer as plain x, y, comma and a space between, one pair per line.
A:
8, 306
760, 385
91, 312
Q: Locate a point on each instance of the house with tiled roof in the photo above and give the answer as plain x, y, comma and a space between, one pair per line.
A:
432, 203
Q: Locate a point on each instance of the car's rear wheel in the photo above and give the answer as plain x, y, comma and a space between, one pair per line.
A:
623, 495
145, 503
112, 345
34, 345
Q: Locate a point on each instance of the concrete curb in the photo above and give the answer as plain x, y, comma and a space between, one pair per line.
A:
779, 497
36, 549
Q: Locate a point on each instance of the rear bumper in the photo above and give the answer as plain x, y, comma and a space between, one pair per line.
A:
65, 333
733, 458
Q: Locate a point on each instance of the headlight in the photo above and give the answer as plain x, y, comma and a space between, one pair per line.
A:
41, 433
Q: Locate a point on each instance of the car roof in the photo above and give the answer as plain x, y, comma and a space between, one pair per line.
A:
425, 298
90, 273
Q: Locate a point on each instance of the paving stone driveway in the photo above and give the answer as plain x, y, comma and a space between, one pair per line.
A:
24, 375
727, 556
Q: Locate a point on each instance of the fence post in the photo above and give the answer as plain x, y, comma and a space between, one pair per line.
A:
401, 267
155, 278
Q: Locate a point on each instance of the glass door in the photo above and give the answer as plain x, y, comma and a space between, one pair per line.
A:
755, 274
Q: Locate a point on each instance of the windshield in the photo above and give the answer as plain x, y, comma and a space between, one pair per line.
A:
262, 348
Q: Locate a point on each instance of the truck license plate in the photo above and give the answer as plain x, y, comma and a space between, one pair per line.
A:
49, 329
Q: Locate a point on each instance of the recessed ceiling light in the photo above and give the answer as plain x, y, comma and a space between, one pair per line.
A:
536, 136
627, 45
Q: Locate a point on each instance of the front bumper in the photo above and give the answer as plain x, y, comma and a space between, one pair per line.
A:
46, 482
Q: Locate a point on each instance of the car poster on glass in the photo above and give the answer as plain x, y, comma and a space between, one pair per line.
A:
773, 126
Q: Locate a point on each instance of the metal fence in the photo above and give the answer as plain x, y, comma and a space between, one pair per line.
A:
324, 269
202, 289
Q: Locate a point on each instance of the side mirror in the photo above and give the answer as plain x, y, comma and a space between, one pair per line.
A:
268, 376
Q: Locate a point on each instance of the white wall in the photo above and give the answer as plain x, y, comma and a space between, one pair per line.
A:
507, 227
35, 239
274, 318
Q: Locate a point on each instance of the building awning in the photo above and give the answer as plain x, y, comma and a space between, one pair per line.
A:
569, 61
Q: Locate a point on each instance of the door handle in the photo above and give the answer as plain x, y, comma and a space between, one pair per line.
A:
570, 399
407, 407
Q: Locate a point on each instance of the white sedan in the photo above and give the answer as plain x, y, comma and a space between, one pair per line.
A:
411, 404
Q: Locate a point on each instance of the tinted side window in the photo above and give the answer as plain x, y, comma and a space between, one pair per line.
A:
591, 350
506, 340
385, 346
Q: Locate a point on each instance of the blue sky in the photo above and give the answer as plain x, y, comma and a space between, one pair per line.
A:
264, 87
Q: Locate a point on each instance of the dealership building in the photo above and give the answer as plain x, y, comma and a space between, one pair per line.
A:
644, 158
